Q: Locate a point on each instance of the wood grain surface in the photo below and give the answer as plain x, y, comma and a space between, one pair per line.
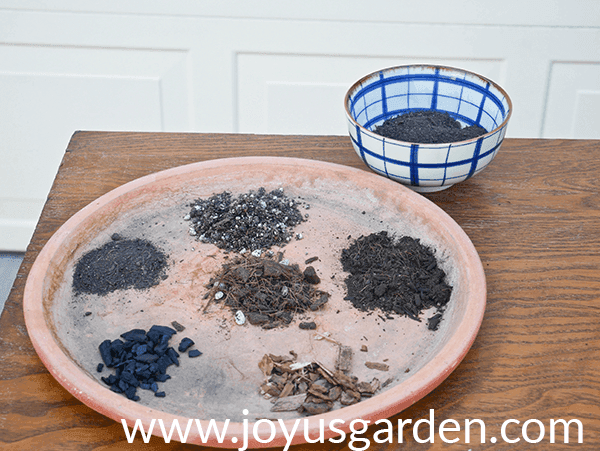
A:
533, 216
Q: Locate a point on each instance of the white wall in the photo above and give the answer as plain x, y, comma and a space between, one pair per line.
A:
263, 67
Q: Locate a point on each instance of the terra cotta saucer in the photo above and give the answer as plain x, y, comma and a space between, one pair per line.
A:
224, 382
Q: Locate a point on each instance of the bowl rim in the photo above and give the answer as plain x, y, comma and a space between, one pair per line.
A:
360, 81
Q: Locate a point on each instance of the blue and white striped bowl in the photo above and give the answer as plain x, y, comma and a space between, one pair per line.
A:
466, 96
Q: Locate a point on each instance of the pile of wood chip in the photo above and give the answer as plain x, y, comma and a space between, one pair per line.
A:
311, 388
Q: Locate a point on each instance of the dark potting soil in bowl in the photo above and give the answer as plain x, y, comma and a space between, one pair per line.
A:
427, 127
118, 265
397, 276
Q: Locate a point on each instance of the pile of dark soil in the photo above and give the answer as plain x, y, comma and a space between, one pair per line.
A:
396, 276
310, 387
120, 264
266, 291
250, 221
427, 127
141, 360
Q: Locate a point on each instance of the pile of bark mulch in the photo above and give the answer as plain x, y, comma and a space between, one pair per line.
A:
311, 388
266, 290
249, 221
427, 127
396, 276
118, 265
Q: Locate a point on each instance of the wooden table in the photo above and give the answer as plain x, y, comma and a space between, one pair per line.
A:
533, 216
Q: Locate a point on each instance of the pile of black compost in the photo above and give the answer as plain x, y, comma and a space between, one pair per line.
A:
396, 276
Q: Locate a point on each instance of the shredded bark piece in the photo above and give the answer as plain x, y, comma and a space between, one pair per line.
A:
289, 403
344, 359
377, 366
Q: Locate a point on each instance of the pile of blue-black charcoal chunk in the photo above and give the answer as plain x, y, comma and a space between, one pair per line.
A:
141, 360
